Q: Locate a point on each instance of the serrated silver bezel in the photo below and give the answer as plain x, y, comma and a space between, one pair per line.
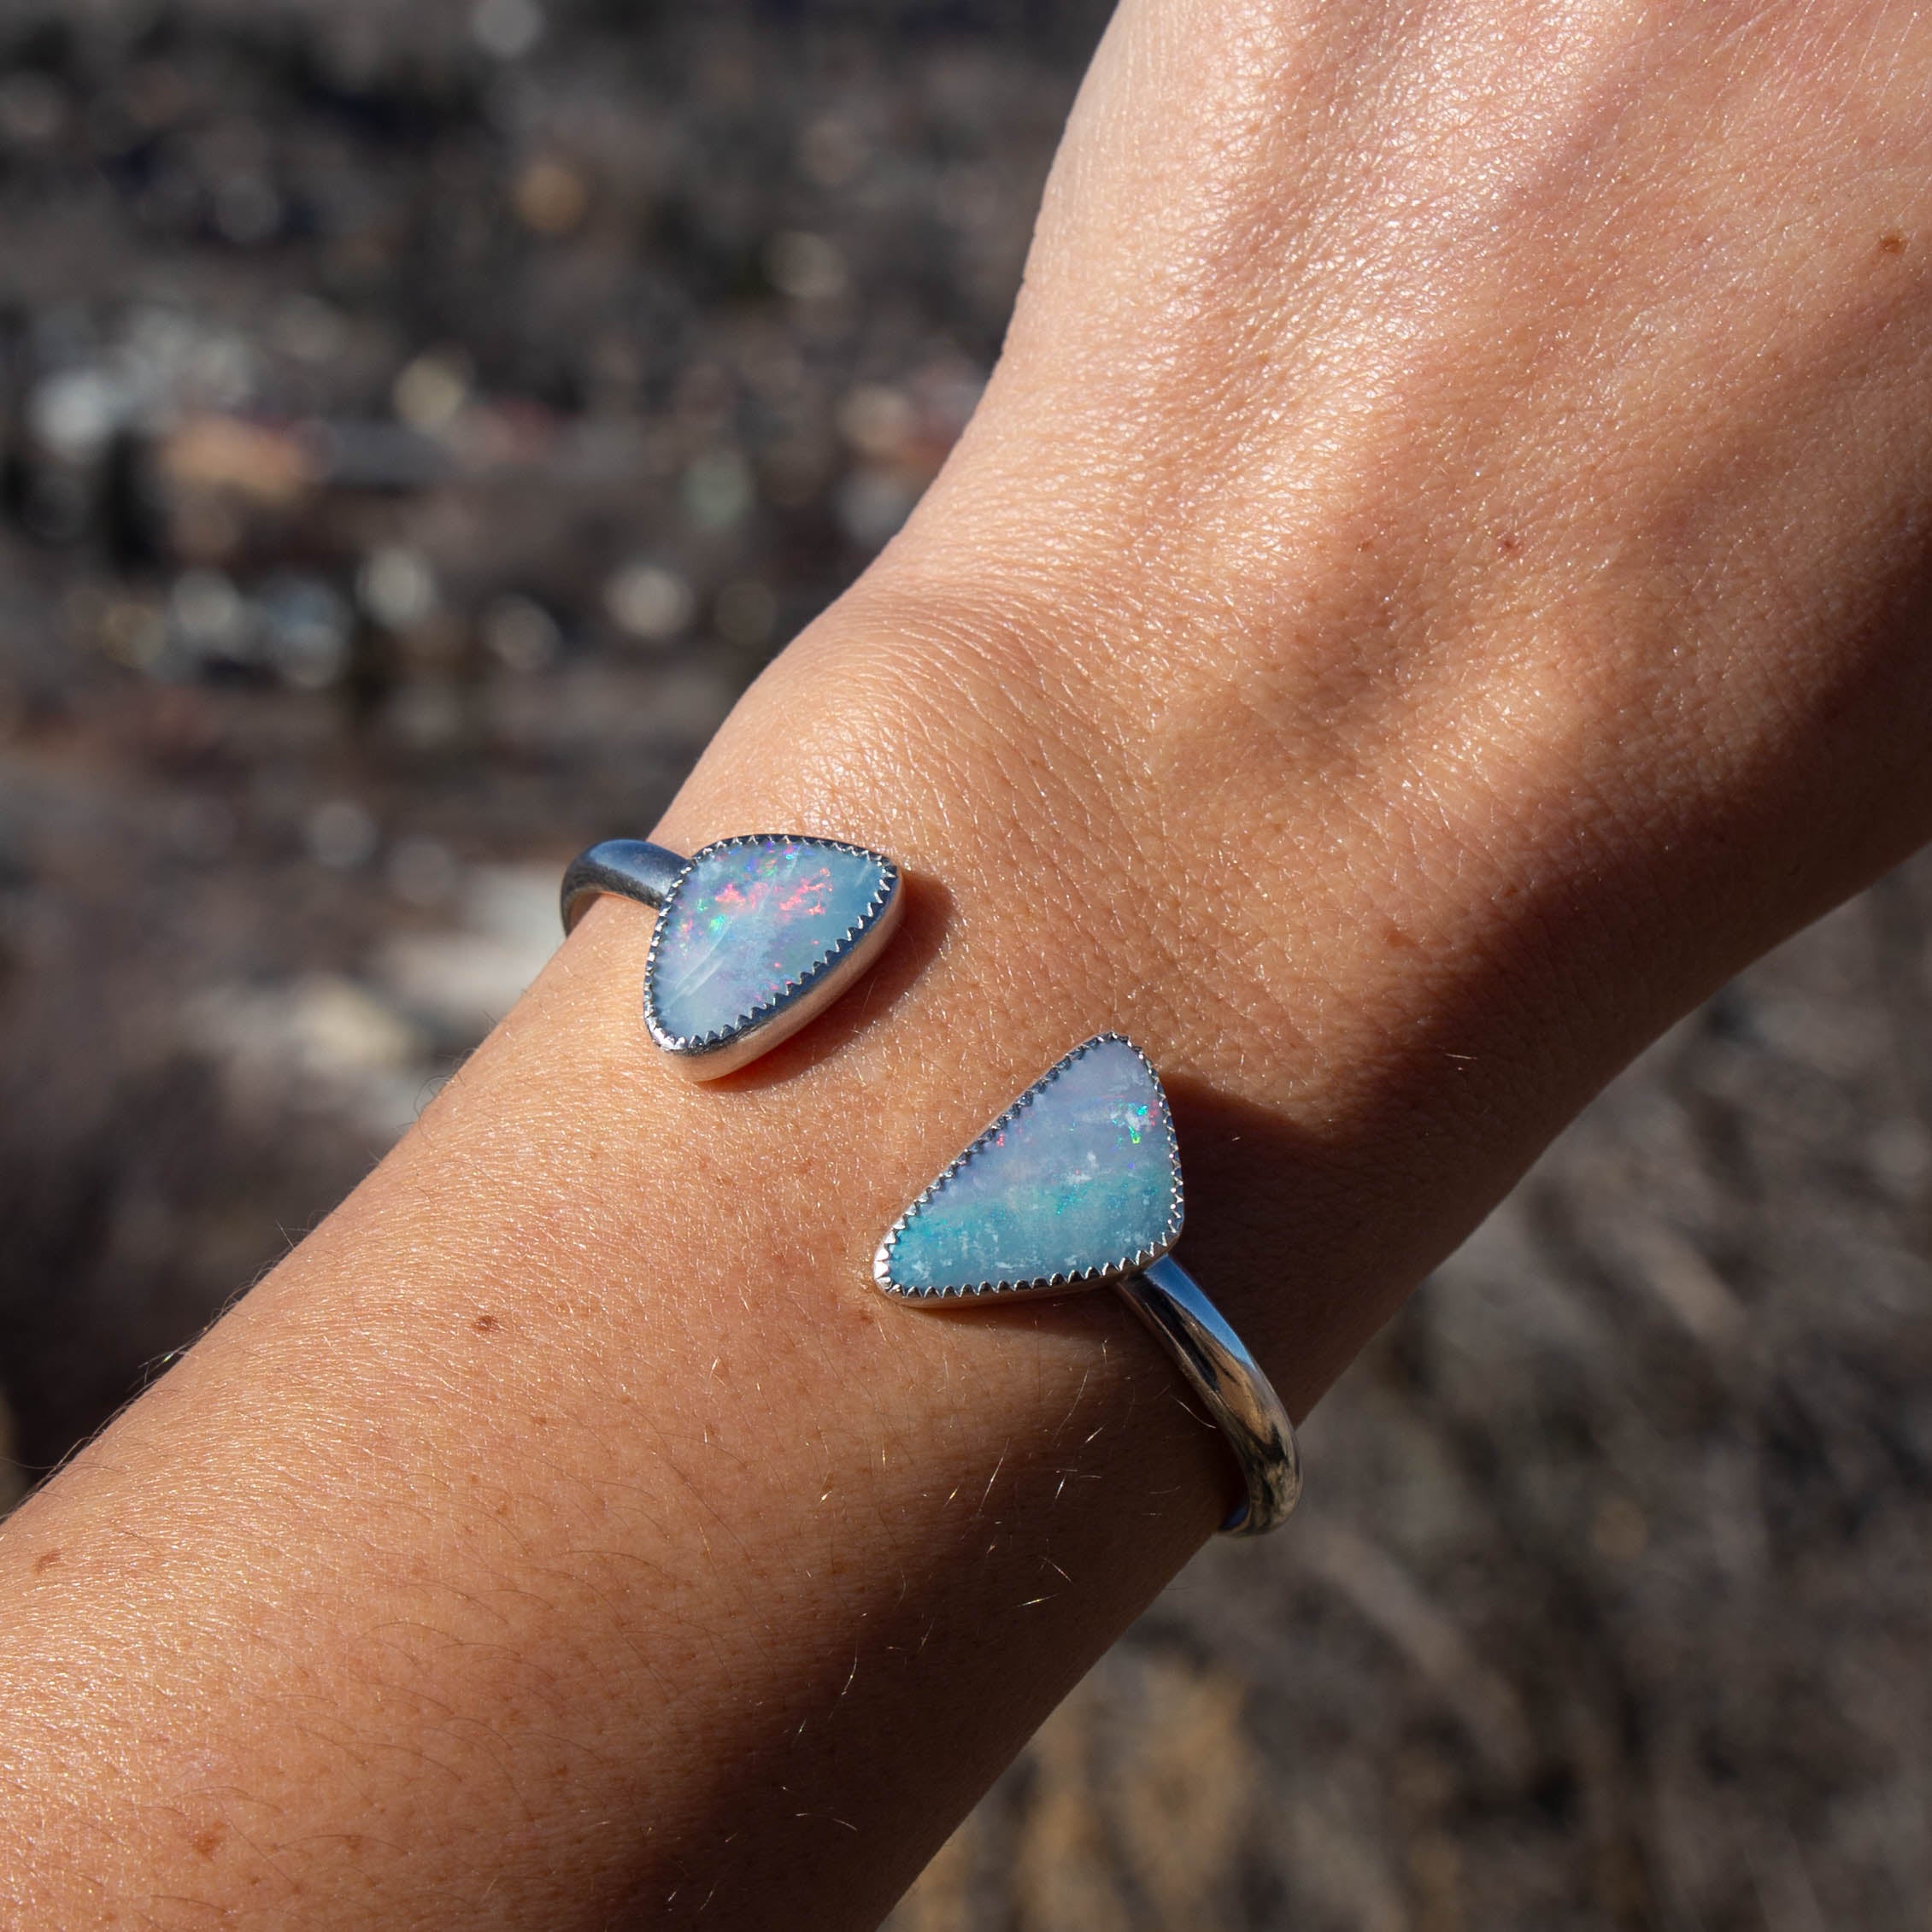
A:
727, 1047
966, 1293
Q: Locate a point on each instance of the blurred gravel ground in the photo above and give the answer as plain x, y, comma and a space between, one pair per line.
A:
418, 423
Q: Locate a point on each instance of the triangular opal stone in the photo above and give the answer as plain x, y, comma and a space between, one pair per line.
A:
749, 926
1080, 1181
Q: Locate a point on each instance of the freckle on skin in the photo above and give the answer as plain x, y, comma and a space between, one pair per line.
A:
205, 1842
486, 1325
856, 1315
45, 1561
1892, 244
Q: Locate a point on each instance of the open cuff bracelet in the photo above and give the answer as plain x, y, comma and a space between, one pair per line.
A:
1077, 1184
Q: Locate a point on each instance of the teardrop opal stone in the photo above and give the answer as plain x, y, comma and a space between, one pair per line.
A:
752, 919
1081, 1178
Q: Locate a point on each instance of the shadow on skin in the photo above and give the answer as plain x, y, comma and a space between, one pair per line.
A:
1241, 1164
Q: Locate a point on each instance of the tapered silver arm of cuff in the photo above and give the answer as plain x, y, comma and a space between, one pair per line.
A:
1229, 1381
632, 867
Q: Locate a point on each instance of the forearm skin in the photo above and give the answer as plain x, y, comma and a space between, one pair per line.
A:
1435, 585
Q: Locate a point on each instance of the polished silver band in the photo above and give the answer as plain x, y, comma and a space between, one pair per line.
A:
631, 867
1229, 1380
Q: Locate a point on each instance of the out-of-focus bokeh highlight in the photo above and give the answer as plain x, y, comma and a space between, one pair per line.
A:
420, 422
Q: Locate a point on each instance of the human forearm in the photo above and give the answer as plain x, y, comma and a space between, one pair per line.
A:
1390, 695
557, 1521
569, 1517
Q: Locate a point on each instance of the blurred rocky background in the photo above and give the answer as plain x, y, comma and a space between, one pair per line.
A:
417, 423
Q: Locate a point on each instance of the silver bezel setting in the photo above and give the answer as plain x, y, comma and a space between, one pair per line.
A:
723, 1050
965, 1293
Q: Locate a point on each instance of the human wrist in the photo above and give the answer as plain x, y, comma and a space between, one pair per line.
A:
1378, 969
1073, 871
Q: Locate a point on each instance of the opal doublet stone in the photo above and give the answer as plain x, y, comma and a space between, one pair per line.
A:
752, 922
1079, 1180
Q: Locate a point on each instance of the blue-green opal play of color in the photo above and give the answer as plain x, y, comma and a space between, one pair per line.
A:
748, 919
1084, 1176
